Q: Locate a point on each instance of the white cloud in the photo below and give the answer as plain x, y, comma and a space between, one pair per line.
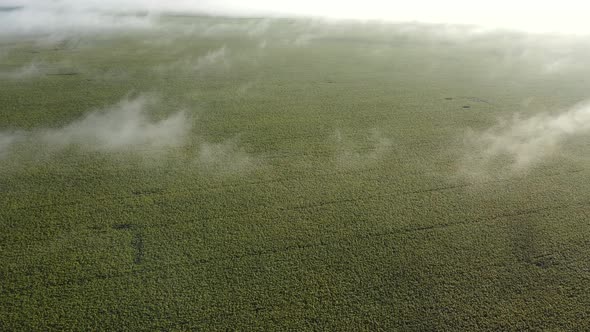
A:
121, 127
126, 126
517, 145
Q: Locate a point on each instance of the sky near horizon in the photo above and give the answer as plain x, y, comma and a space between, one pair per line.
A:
541, 16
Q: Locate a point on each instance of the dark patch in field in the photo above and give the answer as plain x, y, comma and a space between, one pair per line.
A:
449, 98
147, 191
424, 228
64, 74
123, 226
99, 229
466, 106
137, 243
544, 261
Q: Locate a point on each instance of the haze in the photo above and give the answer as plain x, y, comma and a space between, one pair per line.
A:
567, 17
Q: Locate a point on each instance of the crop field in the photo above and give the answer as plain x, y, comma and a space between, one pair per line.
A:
207, 173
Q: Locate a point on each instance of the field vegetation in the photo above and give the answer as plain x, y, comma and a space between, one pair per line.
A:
205, 173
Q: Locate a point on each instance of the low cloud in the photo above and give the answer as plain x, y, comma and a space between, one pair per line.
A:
516, 146
126, 126
121, 127
130, 127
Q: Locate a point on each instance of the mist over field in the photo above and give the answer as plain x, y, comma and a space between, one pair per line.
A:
120, 127
525, 142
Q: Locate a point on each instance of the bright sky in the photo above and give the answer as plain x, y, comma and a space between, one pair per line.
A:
565, 16
570, 16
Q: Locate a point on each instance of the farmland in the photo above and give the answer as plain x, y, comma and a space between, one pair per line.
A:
253, 174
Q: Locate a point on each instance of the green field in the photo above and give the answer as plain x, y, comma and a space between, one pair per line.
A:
252, 174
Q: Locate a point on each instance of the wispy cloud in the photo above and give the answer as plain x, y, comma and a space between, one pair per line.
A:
126, 126
123, 126
517, 145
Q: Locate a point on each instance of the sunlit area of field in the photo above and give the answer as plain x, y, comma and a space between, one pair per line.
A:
209, 173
